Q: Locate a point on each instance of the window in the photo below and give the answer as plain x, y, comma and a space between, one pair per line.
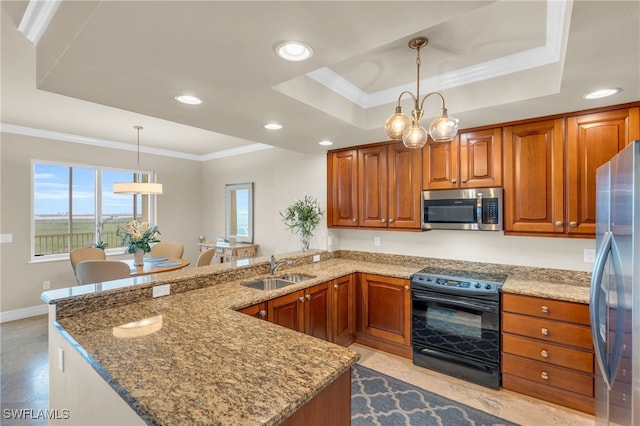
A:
74, 206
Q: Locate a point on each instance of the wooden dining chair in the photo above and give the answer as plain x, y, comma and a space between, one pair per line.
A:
95, 271
205, 257
85, 253
170, 249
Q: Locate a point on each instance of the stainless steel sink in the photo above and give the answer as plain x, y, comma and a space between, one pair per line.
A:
277, 282
296, 278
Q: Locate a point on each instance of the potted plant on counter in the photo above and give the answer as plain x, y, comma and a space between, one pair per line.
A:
302, 217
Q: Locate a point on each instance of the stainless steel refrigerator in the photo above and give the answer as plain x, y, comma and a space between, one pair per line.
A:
615, 290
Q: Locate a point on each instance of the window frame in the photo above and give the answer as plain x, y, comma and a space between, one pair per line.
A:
98, 173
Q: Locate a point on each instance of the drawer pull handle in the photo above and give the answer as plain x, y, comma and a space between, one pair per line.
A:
544, 353
545, 309
544, 375
545, 331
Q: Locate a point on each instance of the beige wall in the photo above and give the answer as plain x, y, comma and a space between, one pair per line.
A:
193, 205
21, 281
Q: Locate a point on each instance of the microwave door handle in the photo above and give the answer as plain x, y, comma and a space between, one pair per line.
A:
479, 211
447, 301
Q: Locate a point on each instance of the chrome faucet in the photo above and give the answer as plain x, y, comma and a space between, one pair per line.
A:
275, 265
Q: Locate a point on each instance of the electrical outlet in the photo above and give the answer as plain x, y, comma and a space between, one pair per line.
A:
329, 241
376, 241
589, 255
161, 290
316, 258
6, 238
46, 285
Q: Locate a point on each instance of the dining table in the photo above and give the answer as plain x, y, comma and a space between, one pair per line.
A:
156, 265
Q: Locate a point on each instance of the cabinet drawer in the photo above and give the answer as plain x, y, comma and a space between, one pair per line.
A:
548, 374
547, 330
548, 393
546, 308
548, 352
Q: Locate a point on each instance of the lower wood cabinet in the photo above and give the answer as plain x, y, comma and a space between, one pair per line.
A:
547, 351
385, 314
343, 308
307, 311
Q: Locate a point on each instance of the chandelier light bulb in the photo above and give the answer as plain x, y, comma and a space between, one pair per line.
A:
443, 128
396, 124
415, 136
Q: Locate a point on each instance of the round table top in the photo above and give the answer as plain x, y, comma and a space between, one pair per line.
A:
156, 265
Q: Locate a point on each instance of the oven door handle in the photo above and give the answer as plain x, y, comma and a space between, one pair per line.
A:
477, 306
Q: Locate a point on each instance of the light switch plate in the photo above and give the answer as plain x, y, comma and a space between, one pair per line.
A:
316, 258
60, 359
6, 238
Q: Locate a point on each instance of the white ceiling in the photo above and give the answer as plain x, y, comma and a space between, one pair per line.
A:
103, 67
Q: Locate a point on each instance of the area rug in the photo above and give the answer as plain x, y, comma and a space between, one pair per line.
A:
381, 400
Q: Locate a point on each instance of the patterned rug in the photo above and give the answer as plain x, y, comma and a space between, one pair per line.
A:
381, 400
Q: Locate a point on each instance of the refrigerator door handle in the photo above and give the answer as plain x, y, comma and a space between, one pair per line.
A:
608, 366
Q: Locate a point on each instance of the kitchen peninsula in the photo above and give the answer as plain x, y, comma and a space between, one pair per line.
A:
191, 358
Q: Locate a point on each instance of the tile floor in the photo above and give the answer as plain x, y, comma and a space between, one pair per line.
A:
24, 376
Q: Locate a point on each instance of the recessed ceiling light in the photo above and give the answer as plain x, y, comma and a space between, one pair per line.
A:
325, 143
294, 51
603, 93
188, 99
273, 126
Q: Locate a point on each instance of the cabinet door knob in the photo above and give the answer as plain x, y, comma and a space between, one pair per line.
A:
544, 353
390, 220
453, 181
545, 309
573, 224
336, 286
262, 313
559, 223
544, 375
382, 220
545, 331
308, 296
354, 220
301, 299
406, 288
464, 180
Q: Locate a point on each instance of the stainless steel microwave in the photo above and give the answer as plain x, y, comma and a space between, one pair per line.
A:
477, 209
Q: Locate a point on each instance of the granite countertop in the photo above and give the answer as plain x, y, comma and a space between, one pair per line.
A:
227, 367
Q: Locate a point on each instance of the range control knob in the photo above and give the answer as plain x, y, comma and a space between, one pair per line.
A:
440, 281
478, 285
487, 286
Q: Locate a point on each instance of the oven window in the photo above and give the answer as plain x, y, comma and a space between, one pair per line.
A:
454, 321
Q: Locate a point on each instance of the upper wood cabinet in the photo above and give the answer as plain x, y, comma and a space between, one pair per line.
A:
471, 160
342, 188
592, 140
533, 177
385, 192
550, 180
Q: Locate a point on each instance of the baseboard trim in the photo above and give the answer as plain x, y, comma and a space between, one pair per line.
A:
21, 313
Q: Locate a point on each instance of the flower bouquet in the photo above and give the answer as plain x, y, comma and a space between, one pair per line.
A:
302, 217
138, 236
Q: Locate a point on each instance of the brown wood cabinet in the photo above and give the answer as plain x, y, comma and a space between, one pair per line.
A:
547, 351
592, 140
307, 311
377, 186
471, 160
385, 314
549, 180
343, 306
533, 177
259, 310
342, 188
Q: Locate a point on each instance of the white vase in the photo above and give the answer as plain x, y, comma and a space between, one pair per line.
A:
138, 258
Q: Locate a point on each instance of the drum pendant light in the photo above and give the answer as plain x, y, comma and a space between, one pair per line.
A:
137, 186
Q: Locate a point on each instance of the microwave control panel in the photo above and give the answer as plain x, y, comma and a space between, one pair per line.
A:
490, 210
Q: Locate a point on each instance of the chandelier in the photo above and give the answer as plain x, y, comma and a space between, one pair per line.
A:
137, 186
400, 127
